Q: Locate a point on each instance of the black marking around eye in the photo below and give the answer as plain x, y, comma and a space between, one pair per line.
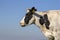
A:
28, 17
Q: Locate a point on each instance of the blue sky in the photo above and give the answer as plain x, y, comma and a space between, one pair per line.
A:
12, 11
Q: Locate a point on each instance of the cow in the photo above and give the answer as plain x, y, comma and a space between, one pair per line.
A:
47, 21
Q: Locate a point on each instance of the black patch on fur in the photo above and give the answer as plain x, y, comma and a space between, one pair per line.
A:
41, 21
47, 23
51, 37
28, 17
44, 20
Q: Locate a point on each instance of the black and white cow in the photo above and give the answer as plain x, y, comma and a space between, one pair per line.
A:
47, 21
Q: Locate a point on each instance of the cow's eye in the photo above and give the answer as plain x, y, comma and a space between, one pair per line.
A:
28, 14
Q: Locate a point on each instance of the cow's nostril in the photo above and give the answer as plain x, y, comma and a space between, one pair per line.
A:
21, 23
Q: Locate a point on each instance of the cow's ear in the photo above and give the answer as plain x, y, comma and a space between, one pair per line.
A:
33, 9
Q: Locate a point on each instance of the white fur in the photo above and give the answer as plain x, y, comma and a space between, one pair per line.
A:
27, 10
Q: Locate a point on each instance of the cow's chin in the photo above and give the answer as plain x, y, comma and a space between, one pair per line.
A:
23, 25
